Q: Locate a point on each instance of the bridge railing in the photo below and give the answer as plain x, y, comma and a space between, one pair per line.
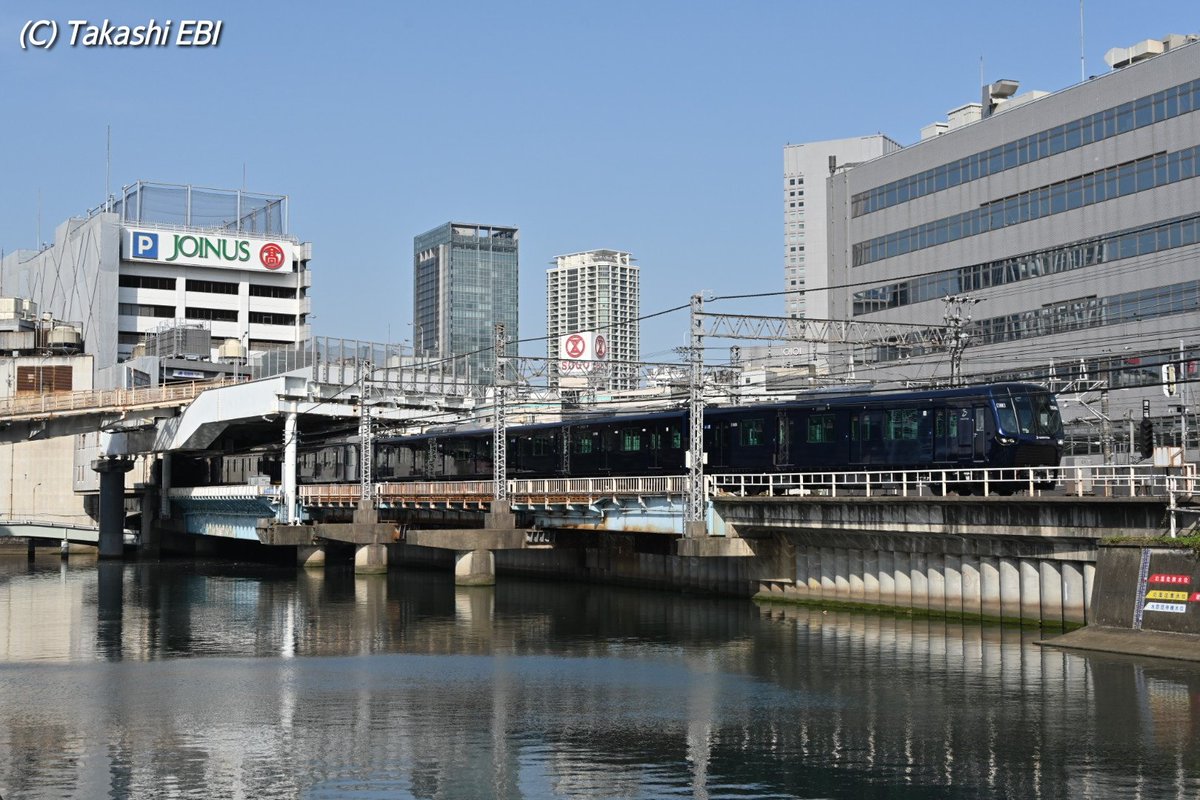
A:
92, 400
1078, 480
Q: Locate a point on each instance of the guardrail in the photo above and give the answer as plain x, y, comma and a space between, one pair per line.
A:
1078, 480
93, 400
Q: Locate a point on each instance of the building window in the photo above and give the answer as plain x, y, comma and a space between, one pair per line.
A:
264, 318
143, 310
212, 287
1169, 103
146, 282
214, 314
281, 292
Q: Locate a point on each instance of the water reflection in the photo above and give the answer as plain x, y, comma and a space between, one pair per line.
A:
208, 680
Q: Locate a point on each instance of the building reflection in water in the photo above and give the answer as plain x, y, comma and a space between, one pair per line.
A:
217, 680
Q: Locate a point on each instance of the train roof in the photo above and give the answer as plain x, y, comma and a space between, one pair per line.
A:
818, 399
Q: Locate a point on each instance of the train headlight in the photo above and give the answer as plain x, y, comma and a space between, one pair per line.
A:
1005, 440
1060, 442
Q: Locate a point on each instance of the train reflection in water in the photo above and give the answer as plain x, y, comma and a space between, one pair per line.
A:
225, 681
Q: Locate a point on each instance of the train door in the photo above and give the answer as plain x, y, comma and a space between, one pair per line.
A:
945, 435
965, 421
855, 441
716, 442
783, 440
980, 451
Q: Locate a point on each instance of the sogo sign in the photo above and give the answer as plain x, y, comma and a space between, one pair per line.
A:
578, 351
205, 251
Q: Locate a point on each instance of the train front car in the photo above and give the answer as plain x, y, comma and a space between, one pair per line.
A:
1029, 430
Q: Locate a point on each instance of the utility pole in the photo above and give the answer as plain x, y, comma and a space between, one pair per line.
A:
500, 427
697, 500
366, 487
735, 374
958, 317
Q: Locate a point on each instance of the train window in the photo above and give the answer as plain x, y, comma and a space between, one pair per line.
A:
631, 440
752, 432
583, 445
1008, 418
854, 428
541, 445
820, 428
900, 424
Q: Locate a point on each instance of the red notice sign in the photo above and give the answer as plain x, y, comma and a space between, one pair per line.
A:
1175, 580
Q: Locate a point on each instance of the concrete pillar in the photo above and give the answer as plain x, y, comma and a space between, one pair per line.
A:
289, 470
112, 504
1031, 590
370, 559
870, 576
813, 556
1074, 609
164, 483
952, 570
854, 564
989, 587
828, 573
1089, 579
1051, 591
474, 568
887, 578
800, 557
919, 580
310, 557
841, 573
935, 577
149, 544
971, 583
1010, 588
901, 569
30, 548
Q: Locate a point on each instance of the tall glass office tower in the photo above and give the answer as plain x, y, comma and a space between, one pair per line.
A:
464, 282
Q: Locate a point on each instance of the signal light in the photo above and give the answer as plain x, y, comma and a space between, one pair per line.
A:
1145, 438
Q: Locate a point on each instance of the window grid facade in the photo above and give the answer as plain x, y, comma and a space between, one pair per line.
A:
464, 282
597, 290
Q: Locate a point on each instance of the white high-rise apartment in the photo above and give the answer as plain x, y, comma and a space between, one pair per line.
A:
806, 169
597, 290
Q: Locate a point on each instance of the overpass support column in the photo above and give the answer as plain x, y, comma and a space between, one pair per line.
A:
148, 541
289, 469
310, 557
112, 504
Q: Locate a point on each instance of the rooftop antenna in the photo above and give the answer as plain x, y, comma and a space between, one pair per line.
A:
243, 177
39, 219
1082, 68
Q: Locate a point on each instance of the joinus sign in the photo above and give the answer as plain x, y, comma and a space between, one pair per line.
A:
206, 251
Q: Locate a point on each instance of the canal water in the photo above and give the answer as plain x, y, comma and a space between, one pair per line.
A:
215, 680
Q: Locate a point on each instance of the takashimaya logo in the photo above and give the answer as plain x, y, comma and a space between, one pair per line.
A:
271, 255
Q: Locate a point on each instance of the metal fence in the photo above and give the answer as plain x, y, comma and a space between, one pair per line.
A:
95, 400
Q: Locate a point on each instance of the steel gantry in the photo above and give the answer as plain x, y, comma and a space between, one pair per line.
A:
500, 428
855, 333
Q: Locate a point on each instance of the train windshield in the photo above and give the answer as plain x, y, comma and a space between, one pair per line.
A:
1036, 415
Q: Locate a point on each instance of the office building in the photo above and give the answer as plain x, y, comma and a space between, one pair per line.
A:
596, 291
806, 170
1068, 225
159, 256
464, 283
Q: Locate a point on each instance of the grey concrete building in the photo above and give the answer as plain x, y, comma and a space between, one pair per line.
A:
1071, 222
806, 170
160, 254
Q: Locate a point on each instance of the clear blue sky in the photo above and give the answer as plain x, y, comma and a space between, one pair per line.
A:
654, 126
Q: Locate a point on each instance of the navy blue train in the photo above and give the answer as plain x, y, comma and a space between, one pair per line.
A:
998, 425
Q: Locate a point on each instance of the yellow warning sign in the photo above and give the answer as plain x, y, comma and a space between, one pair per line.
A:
1160, 594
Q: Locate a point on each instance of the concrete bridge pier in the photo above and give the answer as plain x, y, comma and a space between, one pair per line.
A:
112, 504
149, 540
310, 557
370, 559
474, 568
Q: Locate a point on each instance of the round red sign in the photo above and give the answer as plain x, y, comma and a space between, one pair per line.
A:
601, 347
271, 255
575, 346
